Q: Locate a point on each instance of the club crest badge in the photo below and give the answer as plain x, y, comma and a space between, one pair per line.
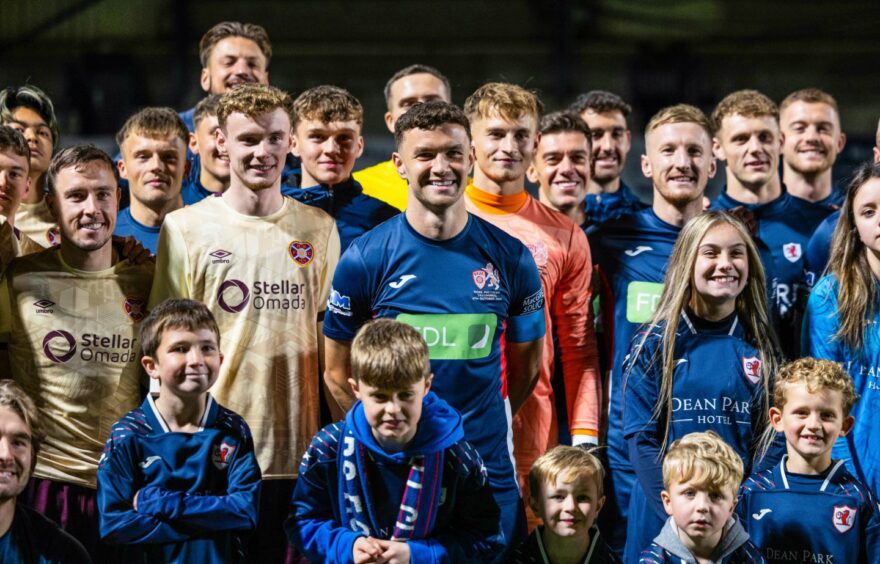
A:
301, 252
791, 251
135, 308
844, 517
752, 369
222, 454
487, 277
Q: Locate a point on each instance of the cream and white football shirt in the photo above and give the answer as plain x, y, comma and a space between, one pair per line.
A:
36, 221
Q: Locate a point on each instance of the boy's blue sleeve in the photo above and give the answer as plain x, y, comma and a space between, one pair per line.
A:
350, 301
118, 522
474, 533
234, 510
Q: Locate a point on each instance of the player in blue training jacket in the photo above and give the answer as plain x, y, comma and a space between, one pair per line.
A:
747, 138
809, 508
178, 480
632, 252
703, 363
396, 478
843, 319
464, 283
327, 138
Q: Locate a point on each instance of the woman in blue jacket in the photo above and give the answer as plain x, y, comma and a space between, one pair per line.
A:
843, 316
704, 361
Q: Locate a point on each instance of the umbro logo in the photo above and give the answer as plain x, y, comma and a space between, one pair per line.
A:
402, 281
220, 256
44, 306
638, 250
760, 514
150, 460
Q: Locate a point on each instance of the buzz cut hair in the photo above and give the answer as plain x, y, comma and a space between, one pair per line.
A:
679, 113
565, 122
327, 104
572, 464
155, 123
502, 99
411, 70
429, 116
601, 102
809, 96
816, 375
12, 140
14, 398
747, 103
175, 313
252, 100
705, 460
206, 107
78, 155
222, 30
390, 355
29, 96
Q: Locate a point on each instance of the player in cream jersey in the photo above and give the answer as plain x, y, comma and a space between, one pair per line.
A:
267, 280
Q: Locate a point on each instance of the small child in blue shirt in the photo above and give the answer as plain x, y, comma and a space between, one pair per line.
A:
178, 480
809, 508
395, 481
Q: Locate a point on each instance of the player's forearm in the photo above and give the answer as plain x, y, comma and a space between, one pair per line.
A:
233, 511
338, 371
523, 368
120, 526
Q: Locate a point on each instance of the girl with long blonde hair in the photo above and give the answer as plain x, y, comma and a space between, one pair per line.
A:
703, 362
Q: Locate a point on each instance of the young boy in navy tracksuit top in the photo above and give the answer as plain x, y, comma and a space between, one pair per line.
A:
178, 481
701, 474
395, 480
809, 508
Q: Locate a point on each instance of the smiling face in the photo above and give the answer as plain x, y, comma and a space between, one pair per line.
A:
203, 141
700, 515
38, 135
611, 143
154, 168
16, 454
84, 203
866, 216
187, 362
14, 181
234, 60
257, 147
435, 163
392, 413
721, 270
679, 162
562, 168
504, 148
328, 150
568, 509
811, 136
750, 146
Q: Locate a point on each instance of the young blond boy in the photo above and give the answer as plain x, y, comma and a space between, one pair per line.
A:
809, 508
566, 494
395, 481
178, 479
701, 474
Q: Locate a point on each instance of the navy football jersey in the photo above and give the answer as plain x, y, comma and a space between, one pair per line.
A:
128, 226
600, 208
819, 248
828, 517
464, 295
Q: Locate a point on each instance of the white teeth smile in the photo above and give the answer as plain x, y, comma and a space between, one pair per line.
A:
92, 226
724, 279
441, 183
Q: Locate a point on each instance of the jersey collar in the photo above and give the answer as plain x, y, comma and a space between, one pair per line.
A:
158, 419
837, 465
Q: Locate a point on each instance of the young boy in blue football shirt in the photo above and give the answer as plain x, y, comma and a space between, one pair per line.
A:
395, 481
178, 480
809, 508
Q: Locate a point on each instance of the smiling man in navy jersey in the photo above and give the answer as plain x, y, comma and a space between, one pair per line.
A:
633, 251
466, 285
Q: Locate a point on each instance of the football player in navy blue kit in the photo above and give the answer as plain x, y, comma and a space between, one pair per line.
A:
812, 139
703, 363
747, 138
632, 252
466, 285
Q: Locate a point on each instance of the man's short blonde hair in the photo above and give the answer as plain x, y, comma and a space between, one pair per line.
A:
816, 375
705, 460
327, 104
747, 103
809, 96
680, 113
570, 463
504, 100
252, 100
155, 123
390, 355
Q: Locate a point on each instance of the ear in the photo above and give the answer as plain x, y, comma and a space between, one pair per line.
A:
600, 504
841, 143
120, 166
187, 167
535, 506
646, 167
360, 148
847, 425
389, 122
775, 415
472, 159
205, 80
193, 144
27, 187
354, 387
713, 166
50, 200
429, 379
718, 150
294, 143
532, 174
150, 366
221, 140
876, 155
667, 502
398, 164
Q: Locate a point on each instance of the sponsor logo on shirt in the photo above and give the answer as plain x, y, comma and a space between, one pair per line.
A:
843, 517
301, 252
135, 308
44, 306
760, 514
641, 300
339, 304
149, 461
752, 369
60, 346
233, 296
638, 250
534, 302
455, 336
400, 282
221, 454
220, 256
791, 251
